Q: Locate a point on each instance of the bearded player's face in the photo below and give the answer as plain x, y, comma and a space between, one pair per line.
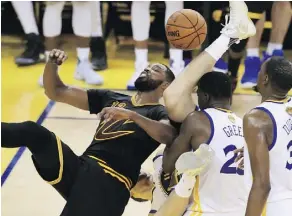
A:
151, 78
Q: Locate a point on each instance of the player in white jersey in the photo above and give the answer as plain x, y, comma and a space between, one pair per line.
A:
221, 190
268, 134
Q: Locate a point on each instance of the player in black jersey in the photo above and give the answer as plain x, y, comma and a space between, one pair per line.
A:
130, 129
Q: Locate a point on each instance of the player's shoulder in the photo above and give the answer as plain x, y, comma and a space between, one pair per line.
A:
154, 108
257, 118
197, 116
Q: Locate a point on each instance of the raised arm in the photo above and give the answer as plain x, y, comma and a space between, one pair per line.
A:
56, 90
255, 124
178, 95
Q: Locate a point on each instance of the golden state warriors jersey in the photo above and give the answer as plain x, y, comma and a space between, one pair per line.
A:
280, 153
221, 189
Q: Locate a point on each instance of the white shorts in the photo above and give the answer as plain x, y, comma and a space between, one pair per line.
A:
281, 208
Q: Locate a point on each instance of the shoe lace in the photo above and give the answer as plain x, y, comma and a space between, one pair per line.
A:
228, 26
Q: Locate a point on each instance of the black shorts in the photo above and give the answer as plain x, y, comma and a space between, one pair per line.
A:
89, 186
259, 7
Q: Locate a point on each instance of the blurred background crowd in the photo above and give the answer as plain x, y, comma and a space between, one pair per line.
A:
139, 23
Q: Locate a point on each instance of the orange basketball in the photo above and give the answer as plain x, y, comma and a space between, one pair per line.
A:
186, 29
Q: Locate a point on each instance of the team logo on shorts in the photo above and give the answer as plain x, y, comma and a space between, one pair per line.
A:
289, 110
231, 118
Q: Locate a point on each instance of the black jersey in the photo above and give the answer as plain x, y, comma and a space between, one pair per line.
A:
122, 144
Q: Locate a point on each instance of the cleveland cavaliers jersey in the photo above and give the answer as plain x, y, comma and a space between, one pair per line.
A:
280, 150
221, 189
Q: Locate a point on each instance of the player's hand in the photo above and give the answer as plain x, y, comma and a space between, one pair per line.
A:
239, 157
115, 113
57, 56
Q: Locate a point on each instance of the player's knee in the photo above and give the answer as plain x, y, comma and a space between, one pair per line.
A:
29, 125
33, 131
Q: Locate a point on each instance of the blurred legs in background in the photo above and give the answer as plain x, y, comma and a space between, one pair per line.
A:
34, 50
140, 16
97, 43
81, 23
281, 19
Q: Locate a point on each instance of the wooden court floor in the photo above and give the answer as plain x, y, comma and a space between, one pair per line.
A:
23, 191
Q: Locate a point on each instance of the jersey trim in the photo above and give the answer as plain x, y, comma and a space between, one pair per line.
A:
279, 101
274, 126
127, 181
133, 100
196, 207
223, 110
61, 161
212, 127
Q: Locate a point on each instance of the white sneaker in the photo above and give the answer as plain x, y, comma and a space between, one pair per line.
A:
85, 72
139, 67
194, 163
177, 67
240, 25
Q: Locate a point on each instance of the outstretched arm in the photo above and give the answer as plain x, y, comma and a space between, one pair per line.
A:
161, 130
56, 90
255, 125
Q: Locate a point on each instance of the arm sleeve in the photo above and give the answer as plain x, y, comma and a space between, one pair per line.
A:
97, 99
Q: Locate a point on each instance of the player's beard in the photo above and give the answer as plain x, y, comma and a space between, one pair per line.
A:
255, 88
143, 84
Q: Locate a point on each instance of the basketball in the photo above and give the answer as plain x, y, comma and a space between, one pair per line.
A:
186, 29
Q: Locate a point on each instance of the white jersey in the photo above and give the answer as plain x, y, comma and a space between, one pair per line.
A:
221, 189
280, 153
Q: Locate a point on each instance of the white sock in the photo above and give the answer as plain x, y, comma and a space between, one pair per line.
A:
176, 55
96, 24
47, 53
52, 20
83, 53
273, 46
25, 13
218, 47
140, 20
252, 52
141, 55
185, 186
81, 18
